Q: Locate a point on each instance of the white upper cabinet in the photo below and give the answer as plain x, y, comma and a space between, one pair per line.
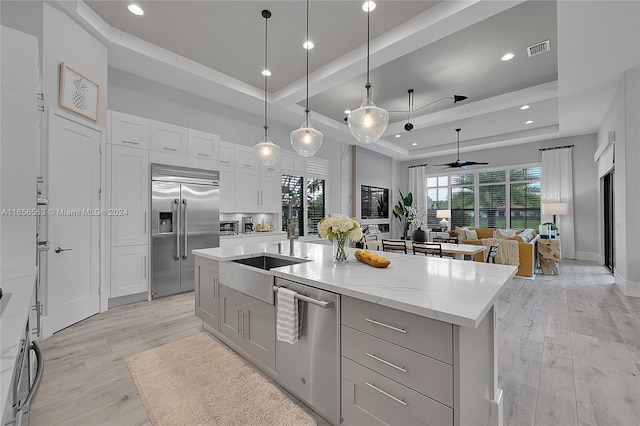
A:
226, 153
129, 130
129, 196
245, 158
168, 138
270, 188
203, 145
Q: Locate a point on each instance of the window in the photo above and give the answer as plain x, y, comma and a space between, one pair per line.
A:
525, 197
292, 196
463, 198
437, 198
303, 188
487, 198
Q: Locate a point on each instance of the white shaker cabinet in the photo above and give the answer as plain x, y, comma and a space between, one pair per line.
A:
258, 187
168, 138
227, 179
129, 130
129, 270
129, 196
207, 280
202, 145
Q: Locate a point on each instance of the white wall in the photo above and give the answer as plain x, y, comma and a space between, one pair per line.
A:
139, 96
622, 119
585, 181
66, 41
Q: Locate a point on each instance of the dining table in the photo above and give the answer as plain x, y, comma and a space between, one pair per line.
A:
459, 251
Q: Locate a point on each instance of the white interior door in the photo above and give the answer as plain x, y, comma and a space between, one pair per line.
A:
74, 224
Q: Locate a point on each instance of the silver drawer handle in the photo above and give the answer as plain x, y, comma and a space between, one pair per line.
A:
401, 330
373, 386
169, 149
390, 364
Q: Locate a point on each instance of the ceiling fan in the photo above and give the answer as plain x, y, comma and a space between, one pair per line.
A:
461, 163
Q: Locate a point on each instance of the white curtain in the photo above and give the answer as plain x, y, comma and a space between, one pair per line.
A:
417, 187
557, 187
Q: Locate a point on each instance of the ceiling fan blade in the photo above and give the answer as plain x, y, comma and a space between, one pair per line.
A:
473, 163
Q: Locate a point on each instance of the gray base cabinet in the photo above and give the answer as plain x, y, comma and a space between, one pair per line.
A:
401, 368
206, 291
250, 324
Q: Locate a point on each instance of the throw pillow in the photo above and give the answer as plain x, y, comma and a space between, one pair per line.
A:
526, 235
504, 234
460, 233
470, 234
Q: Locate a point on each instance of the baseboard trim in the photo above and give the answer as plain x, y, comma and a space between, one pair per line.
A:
589, 256
628, 288
125, 300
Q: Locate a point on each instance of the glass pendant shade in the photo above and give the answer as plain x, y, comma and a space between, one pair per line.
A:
267, 152
368, 123
306, 140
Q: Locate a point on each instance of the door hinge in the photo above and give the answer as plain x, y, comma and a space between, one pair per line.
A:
99, 242
99, 289
99, 193
40, 96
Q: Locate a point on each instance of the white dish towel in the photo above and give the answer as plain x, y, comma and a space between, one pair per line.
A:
287, 321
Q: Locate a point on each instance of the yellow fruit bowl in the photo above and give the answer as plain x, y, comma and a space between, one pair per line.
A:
374, 260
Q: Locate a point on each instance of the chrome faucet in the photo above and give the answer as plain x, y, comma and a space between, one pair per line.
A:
290, 229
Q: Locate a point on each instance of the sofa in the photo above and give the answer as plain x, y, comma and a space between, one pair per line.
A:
527, 248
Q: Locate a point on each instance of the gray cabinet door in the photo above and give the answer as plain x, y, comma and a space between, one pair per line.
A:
250, 323
206, 290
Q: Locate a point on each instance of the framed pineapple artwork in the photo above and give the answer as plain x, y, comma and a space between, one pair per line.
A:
78, 93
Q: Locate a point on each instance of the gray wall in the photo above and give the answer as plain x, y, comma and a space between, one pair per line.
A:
139, 96
372, 169
585, 181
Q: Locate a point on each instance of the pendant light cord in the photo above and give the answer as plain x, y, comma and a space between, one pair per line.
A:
266, 35
368, 38
306, 111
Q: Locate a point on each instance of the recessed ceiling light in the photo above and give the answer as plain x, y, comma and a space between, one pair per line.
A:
525, 107
135, 9
397, 136
368, 6
528, 122
308, 44
347, 111
414, 144
507, 56
266, 73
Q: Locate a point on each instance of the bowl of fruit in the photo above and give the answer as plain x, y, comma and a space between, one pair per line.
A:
373, 259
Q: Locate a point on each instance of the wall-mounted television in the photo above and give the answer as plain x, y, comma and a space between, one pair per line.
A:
374, 202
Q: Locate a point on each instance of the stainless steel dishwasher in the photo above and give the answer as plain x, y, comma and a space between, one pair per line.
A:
310, 368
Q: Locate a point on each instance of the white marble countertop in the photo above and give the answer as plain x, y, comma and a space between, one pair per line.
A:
455, 291
17, 288
254, 234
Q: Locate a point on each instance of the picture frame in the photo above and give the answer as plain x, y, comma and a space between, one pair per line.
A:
78, 93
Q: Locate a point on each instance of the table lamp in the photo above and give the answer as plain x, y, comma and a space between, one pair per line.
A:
555, 209
444, 215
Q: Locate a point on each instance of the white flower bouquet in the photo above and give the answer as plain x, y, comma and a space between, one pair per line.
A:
338, 228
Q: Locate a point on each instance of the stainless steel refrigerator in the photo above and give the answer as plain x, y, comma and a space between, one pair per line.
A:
185, 207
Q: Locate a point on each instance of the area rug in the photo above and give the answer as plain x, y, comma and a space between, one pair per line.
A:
199, 381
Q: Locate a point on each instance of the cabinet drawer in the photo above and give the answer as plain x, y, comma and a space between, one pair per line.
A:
426, 375
245, 158
371, 398
168, 138
424, 335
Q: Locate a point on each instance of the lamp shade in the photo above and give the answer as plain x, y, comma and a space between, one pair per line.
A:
306, 140
267, 152
555, 208
368, 123
443, 214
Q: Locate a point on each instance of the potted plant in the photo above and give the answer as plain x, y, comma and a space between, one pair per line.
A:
402, 213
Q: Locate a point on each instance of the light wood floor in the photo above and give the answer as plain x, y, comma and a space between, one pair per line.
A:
569, 355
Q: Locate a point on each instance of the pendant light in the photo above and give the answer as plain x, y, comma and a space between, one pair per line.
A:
266, 151
306, 140
368, 123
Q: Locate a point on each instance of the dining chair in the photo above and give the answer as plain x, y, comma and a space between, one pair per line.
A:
429, 249
372, 237
451, 240
394, 245
493, 251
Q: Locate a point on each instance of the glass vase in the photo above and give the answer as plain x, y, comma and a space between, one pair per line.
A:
340, 256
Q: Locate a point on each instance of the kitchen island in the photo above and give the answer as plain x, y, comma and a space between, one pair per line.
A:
416, 341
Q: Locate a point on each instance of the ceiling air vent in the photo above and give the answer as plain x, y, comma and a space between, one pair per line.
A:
538, 48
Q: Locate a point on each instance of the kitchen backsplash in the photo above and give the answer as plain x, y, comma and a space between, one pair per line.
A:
263, 219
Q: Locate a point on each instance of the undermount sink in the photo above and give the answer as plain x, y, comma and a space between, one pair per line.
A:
268, 262
251, 275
